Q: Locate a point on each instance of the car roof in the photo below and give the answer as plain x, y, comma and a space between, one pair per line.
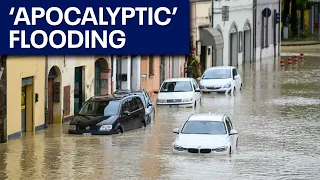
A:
221, 67
127, 91
206, 117
178, 79
110, 97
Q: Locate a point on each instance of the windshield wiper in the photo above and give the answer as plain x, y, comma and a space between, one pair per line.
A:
83, 116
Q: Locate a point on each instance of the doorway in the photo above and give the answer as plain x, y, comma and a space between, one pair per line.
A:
78, 88
101, 76
27, 105
54, 89
119, 73
162, 69
233, 49
247, 44
203, 58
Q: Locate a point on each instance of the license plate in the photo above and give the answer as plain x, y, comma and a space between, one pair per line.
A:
87, 134
174, 105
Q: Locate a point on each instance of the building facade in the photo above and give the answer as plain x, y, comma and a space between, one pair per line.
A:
207, 40
25, 95
267, 36
71, 80
236, 30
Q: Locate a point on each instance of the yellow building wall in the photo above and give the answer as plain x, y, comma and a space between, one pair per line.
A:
19, 67
66, 66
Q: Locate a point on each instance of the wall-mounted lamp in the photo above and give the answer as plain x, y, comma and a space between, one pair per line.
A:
1, 71
36, 97
198, 48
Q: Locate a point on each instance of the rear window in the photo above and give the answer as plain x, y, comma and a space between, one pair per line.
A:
179, 86
100, 108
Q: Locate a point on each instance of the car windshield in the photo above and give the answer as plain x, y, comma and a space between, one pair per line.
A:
179, 86
204, 127
100, 108
217, 74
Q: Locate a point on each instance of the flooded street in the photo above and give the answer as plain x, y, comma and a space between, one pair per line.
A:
277, 116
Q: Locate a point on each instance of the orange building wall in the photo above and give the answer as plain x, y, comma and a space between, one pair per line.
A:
151, 84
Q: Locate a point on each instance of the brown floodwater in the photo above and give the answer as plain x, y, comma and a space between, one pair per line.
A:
277, 116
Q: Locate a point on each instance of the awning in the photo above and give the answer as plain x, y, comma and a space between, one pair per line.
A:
211, 37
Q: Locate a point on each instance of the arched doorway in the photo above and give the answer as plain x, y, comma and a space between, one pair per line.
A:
218, 53
54, 96
247, 42
101, 76
234, 45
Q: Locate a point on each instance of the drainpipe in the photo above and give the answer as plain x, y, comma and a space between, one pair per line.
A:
46, 93
254, 29
3, 80
112, 74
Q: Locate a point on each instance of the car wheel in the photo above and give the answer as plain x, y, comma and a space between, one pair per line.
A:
143, 124
119, 131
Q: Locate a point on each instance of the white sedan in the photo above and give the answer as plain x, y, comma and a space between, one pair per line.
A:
206, 134
221, 79
180, 92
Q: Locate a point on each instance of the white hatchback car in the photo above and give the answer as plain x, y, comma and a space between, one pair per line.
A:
206, 134
221, 79
180, 92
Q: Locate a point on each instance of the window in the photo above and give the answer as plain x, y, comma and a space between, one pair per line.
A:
132, 105
216, 74
228, 119
138, 103
240, 41
144, 101
125, 107
100, 108
179, 86
234, 72
228, 126
204, 127
151, 66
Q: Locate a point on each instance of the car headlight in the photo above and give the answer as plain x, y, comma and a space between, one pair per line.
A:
106, 127
178, 148
161, 101
72, 127
227, 85
220, 149
187, 99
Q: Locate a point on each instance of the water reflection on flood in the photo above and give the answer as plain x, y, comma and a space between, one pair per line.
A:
277, 117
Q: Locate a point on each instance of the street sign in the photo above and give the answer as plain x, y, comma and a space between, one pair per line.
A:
266, 12
225, 13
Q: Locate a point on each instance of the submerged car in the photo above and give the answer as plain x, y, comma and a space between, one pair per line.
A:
180, 92
206, 134
109, 114
146, 100
220, 79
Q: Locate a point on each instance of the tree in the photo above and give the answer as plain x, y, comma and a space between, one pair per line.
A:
294, 20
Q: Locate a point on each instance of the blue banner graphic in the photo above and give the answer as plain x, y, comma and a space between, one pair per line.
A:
87, 27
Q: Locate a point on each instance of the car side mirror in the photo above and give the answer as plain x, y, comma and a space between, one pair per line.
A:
176, 130
126, 113
233, 132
